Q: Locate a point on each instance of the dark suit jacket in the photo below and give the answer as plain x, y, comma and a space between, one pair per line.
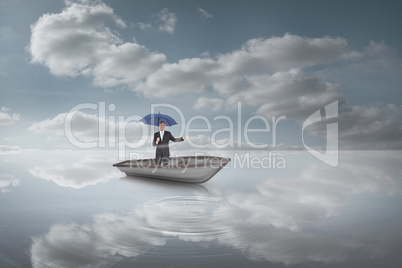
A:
162, 148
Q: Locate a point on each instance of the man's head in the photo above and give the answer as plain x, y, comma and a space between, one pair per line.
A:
162, 125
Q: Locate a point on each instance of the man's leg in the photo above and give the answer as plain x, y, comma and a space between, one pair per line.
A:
165, 161
158, 157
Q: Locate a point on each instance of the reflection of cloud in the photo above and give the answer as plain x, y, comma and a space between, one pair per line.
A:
319, 192
280, 222
292, 205
114, 236
7, 181
266, 243
108, 240
89, 171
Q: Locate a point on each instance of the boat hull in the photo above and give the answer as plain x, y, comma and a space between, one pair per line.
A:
189, 169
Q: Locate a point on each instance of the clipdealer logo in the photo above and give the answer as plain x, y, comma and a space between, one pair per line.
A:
112, 131
330, 156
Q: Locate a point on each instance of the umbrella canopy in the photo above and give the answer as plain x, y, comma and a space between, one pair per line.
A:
155, 119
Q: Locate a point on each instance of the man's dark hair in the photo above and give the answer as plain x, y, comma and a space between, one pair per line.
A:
162, 122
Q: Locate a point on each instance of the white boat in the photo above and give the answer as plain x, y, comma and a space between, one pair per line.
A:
191, 169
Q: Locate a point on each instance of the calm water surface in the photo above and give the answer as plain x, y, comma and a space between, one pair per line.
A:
73, 209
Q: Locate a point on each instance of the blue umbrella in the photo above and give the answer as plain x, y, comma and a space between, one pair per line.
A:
155, 119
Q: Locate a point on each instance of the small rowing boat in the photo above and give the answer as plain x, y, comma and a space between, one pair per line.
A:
190, 169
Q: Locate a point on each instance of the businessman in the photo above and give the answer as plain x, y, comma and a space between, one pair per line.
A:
161, 141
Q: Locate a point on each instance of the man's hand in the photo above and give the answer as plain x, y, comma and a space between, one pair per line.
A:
185, 137
158, 139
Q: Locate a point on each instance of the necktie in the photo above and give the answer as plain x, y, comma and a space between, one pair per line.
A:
161, 135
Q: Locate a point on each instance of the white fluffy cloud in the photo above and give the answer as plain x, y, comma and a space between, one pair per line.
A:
7, 118
84, 126
167, 21
9, 149
292, 93
266, 74
89, 128
78, 41
7, 181
364, 127
235, 71
261, 56
164, 21
205, 14
208, 103
188, 75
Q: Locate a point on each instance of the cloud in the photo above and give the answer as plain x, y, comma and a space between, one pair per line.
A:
78, 41
252, 76
379, 54
261, 56
203, 13
167, 21
53, 126
88, 171
267, 74
370, 127
178, 78
395, 108
7, 181
232, 72
292, 93
84, 126
364, 127
9, 149
89, 128
207, 103
6, 118
144, 26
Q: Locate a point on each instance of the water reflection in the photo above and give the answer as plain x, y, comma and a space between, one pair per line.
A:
309, 214
90, 170
112, 236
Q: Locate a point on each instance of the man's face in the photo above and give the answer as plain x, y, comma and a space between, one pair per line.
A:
162, 126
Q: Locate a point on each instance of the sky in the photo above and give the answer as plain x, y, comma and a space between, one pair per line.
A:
229, 64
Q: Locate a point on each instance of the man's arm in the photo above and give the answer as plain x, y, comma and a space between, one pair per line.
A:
175, 139
155, 141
